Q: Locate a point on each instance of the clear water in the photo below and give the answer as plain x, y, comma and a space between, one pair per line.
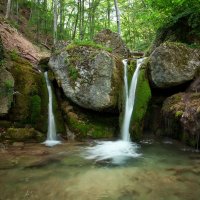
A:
164, 171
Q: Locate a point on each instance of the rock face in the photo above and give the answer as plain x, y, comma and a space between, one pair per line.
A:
6, 91
172, 64
182, 117
112, 40
89, 77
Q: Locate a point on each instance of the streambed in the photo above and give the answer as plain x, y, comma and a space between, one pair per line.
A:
163, 171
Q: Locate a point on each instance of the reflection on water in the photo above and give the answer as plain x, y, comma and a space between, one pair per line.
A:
61, 173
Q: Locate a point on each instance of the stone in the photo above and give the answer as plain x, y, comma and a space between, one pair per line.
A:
90, 77
6, 91
181, 114
172, 64
112, 40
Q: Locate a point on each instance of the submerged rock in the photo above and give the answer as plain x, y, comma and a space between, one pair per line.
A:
181, 113
173, 64
89, 76
23, 134
114, 41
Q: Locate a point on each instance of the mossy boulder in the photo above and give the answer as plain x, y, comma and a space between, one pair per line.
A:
89, 124
31, 95
181, 113
89, 76
23, 134
6, 91
114, 41
172, 64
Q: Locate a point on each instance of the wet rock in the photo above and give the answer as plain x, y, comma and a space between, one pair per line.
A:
22, 134
173, 64
18, 144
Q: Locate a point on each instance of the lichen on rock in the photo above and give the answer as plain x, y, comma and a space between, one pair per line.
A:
89, 76
173, 64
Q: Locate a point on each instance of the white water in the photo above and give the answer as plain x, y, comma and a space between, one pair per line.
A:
130, 98
51, 135
119, 151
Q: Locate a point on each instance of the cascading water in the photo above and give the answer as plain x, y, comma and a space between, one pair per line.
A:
51, 135
119, 151
129, 98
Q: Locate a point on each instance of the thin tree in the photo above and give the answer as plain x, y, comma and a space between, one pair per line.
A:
8, 9
55, 10
118, 17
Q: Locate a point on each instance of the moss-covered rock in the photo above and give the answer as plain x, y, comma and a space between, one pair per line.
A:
172, 64
89, 76
31, 96
181, 114
86, 124
6, 91
23, 134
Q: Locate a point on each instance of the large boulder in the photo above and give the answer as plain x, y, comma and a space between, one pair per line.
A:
173, 64
6, 90
181, 114
90, 77
114, 41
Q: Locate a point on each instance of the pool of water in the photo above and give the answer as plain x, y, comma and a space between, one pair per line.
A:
163, 171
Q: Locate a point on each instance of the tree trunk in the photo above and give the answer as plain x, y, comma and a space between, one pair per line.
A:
76, 22
55, 23
118, 17
8, 9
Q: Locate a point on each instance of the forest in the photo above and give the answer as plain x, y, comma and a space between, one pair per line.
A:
135, 20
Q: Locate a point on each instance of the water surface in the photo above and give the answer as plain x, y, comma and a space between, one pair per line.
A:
164, 171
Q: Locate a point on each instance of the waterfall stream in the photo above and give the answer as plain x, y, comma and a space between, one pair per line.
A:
51, 134
119, 151
129, 98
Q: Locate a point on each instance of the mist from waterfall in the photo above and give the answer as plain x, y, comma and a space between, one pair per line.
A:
51, 134
119, 151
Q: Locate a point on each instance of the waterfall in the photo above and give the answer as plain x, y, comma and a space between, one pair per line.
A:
129, 98
119, 151
51, 135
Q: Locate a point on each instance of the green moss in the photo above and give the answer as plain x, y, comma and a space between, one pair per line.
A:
179, 114
87, 43
22, 134
73, 72
143, 95
35, 108
91, 125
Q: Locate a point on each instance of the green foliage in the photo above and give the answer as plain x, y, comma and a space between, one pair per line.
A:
35, 108
87, 43
73, 72
14, 55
